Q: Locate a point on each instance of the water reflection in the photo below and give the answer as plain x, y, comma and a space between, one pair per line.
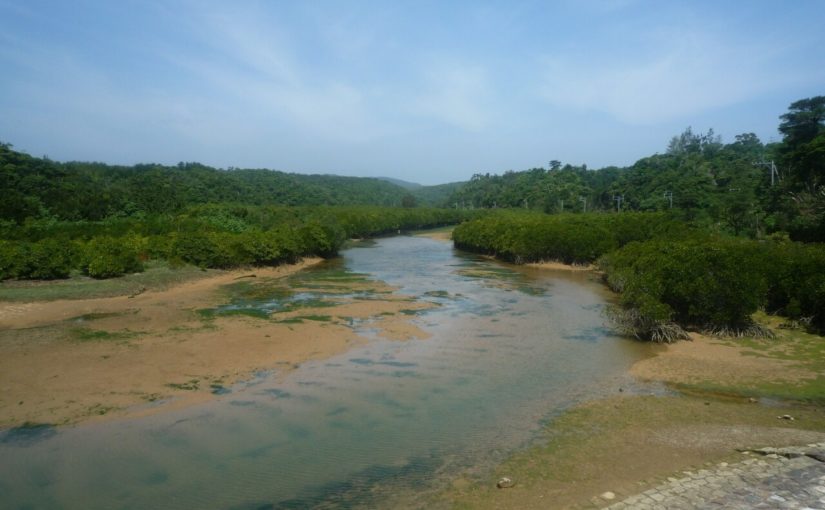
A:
387, 420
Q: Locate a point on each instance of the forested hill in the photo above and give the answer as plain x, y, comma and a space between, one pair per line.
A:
729, 185
698, 171
38, 187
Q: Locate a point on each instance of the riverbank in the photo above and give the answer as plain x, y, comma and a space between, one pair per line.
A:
67, 361
728, 401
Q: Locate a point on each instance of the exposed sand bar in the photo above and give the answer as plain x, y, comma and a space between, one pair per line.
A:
560, 266
155, 349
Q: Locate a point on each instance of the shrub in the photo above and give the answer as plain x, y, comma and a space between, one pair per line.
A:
106, 257
710, 284
10, 259
796, 281
48, 259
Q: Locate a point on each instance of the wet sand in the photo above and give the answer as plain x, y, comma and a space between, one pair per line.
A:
722, 362
63, 362
550, 264
653, 437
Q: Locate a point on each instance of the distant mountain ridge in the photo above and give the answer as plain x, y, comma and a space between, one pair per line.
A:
402, 184
73, 191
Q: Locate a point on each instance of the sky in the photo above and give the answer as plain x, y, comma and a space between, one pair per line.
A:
428, 92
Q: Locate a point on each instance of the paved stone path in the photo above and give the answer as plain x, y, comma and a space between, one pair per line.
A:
769, 478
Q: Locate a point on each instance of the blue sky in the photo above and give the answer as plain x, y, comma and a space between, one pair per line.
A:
429, 92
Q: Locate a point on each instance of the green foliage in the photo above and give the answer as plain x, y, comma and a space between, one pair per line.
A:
48, 259
209, 236
671, 277
569, 238
714, 284
105, 257
796, 281
76, 191
704, 283
10, 259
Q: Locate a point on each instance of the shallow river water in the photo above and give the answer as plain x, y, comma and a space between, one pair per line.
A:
384, 425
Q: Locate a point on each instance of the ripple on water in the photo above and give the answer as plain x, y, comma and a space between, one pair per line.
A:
378, 423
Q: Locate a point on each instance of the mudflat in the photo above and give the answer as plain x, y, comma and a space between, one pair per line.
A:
730, 394
67, 361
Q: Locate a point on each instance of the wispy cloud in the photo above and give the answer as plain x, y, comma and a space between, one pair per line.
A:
252, 61
678, 75
457, 94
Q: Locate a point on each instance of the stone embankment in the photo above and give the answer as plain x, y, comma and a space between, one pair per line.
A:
768, 478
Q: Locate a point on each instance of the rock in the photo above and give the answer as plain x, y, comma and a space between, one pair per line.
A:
505, 483
817, 455
608, 495
752, 400
785, 417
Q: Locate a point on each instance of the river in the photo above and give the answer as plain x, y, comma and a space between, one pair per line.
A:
386, 424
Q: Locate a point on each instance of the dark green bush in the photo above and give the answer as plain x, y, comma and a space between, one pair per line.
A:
207, 249
796, 281
703, 283
10, 259
48, 259
569, 238
106, 257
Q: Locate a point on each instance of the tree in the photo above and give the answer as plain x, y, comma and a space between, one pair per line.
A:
803, 151
408, 201
802, 156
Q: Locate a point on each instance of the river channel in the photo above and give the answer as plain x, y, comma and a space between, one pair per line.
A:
385, 424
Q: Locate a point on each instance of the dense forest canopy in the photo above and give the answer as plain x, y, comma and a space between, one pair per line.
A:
656, 228
36, 187
743, 187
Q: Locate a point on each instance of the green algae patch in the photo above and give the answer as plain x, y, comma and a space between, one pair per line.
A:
100, 335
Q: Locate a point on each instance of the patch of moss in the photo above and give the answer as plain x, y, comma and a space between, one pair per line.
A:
211, 313
191, 385
319, 318
98, 315
99, 335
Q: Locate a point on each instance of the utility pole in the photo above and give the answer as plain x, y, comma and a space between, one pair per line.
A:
619, 199
772, 167
583, 200
669, 195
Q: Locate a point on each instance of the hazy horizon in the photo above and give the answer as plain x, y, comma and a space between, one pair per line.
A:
427, 92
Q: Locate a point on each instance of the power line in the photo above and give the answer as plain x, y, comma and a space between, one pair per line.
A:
619, 199
772, 167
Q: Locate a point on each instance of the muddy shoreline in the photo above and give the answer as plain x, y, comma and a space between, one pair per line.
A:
71, 361
715, 410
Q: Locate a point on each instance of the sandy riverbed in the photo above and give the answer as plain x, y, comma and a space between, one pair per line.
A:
627, 443
73, 360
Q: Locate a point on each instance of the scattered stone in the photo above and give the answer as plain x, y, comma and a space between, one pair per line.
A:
505, 483
138, 292
789, 477
820, 456
608, 495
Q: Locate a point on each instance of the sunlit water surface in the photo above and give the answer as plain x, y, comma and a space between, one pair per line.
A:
384, 425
